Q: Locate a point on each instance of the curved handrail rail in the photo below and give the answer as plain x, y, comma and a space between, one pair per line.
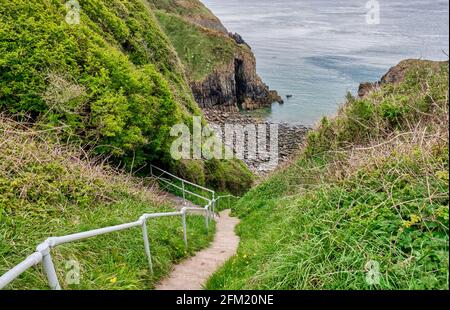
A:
43, 250
222, 197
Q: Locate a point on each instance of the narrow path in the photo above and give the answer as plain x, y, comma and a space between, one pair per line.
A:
193, 273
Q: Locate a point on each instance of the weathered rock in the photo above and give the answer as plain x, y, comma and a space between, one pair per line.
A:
395, 75
366, 88
235, 85
275, 97
238, 38
231, 81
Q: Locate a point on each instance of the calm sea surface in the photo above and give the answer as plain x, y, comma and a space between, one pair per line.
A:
317, 50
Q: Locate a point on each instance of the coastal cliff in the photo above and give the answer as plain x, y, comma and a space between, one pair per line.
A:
220, 66
112, 82
235, 85
397, 74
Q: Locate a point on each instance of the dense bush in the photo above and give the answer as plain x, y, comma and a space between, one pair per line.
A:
113, 81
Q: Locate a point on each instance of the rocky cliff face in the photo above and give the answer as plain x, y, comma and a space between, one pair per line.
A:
231, 83
234, 86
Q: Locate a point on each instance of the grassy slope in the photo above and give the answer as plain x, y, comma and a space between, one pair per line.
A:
200, 49
194, 9
371, 184
114, 81
47, 189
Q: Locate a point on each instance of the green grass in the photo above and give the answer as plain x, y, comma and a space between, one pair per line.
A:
200, 50
190, 8
49, 189
113, 82
371, 185
114, 261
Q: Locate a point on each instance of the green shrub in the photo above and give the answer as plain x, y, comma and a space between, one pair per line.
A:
114, 82
393, 111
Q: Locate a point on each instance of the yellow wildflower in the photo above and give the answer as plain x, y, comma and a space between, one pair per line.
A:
415, 219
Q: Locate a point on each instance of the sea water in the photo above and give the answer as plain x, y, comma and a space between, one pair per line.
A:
318, 50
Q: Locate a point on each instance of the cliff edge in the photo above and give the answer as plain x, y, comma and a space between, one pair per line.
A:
220, 66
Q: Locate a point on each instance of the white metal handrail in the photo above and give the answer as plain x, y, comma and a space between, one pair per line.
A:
183, 189
152, 168
222, 197
43, 250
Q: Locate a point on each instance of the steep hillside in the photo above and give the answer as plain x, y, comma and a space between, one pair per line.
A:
50, 189
191, 10
112, 80
220, 66
365, 205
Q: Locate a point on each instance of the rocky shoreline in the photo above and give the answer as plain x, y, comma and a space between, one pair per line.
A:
290, 137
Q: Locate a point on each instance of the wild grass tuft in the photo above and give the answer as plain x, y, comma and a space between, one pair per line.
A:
372, 184
53, 189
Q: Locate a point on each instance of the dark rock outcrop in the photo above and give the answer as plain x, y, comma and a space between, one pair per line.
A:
234, 86
238, 38
365, 88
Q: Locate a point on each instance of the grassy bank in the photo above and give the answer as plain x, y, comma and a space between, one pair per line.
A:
201, 50
49, 189
111, 80
371, 185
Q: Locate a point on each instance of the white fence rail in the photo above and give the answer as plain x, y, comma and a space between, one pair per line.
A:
166, 177
43, 251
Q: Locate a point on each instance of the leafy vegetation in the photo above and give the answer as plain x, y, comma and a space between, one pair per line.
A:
113, 81
370, 185
200, 49
188, 9
199, 38
49, 189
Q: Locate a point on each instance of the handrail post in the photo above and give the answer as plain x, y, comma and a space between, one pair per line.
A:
48, 266
214, 204
183, 216
184, 193
207, 217
147, 244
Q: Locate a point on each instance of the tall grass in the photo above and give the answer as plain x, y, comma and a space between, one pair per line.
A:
52, 189
370, 185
